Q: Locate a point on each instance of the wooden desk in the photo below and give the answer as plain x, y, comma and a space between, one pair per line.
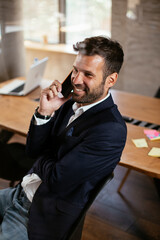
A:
145, 109
138, 107
137, 158
16, 113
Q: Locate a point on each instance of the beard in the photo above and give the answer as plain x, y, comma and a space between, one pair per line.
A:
89, 96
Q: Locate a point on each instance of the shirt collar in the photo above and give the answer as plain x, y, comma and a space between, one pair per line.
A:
76, 106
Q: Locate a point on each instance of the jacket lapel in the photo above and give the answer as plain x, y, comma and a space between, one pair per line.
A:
90, 116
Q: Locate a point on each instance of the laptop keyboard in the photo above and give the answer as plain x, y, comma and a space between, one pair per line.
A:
18, 89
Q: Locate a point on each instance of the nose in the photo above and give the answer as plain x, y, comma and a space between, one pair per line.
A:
77, 78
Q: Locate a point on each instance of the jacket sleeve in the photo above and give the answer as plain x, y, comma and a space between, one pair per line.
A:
96, 154
38, 138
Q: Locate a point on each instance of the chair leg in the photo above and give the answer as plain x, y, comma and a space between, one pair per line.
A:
157, 185
123, 180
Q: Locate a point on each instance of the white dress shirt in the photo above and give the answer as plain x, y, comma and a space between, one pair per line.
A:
32, 181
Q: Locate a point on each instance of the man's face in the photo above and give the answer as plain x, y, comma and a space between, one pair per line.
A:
87, 79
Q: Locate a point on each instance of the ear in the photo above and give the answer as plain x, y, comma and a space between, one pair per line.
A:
111, 79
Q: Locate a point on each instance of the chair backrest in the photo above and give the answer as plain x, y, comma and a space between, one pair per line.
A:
76, 230
157, 95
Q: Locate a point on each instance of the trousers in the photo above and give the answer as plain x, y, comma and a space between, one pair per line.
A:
14, 207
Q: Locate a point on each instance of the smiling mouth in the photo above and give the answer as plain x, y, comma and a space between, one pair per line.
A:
79, 90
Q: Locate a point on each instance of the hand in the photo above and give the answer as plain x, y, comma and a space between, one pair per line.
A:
49, 100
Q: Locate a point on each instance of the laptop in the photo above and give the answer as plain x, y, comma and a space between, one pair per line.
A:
21, 88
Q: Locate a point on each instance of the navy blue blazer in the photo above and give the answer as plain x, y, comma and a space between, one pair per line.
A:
71, 161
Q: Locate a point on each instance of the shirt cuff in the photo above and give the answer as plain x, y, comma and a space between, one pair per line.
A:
39, 121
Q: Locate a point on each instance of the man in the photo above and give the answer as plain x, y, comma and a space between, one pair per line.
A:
77, 141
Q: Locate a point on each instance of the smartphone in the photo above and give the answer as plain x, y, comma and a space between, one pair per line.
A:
67, 86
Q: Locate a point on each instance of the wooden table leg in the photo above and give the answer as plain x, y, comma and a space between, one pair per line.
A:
123, 180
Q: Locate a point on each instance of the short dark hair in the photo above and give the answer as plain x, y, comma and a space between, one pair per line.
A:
107, 48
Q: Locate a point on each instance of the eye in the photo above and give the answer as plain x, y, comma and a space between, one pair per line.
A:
89, 75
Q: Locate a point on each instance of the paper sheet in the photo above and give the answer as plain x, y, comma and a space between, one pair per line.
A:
155, 152
140, 143
152, 134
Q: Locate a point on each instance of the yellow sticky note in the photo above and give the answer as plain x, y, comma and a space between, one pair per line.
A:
155, 152
155, 138
140, 143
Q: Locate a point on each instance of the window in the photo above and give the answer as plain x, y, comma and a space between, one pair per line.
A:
66, 21
41, 18
85, 18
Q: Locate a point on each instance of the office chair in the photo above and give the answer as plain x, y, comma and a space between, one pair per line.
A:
5, 135
14, 162
75, 232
